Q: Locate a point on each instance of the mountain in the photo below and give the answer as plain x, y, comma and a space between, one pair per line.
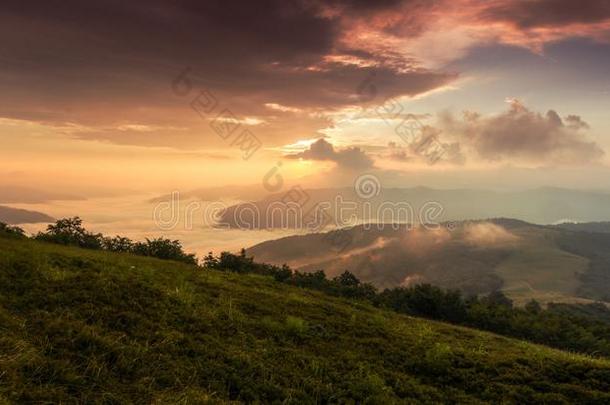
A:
524, 260
251, 192
84, 326
10, 215
600, 227
346, 206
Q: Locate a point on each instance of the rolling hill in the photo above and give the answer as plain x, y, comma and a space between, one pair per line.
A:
11, 215
547, 263
83, 326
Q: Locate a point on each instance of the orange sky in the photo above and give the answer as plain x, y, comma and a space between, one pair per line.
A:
93, 104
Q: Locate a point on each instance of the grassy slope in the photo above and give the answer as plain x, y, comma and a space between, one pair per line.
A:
539, 269
87, 326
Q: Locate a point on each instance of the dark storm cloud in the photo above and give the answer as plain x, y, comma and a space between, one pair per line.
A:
349, 158
547, 13
102, 64
70, 60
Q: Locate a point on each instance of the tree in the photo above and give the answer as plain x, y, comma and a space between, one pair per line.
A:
117, 244
69, 231
426, 300
316, 280
163, 248
533, 306
210, 261
13, 231
499, 299
284, 273
347, 279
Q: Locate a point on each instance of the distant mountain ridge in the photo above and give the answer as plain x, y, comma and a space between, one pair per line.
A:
542, 205
13, 216
523, 260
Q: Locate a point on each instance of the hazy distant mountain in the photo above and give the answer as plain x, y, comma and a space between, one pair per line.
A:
13, 216
541, 206
524, 260
26, 195
246, 193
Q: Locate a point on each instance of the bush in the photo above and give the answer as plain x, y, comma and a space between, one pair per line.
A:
11, 231
162, 248
118, 244
69, 231
427, 301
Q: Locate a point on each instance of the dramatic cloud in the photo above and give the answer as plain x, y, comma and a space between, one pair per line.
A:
520, 134
441, 32
547, 13
110, 63
349, 158
535, 23
113, 61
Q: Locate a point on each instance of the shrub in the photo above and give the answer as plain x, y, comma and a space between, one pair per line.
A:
118, 244
426, 300
69, 231
11, 231
162, 248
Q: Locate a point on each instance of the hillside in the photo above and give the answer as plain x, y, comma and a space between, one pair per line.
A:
90, 326
10, 215
525, 261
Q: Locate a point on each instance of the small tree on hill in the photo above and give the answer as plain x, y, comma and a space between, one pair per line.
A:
347, 279
164, 249
69, 231
118, 244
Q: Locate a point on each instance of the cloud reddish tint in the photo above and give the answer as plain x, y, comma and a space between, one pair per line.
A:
441, 31
527, 14
72, 57
109, 63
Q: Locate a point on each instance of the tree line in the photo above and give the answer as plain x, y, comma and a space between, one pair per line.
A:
70, 232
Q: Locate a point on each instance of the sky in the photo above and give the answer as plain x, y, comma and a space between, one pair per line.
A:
115, 98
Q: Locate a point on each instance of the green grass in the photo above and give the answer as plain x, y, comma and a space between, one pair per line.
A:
81, 326
538, 269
